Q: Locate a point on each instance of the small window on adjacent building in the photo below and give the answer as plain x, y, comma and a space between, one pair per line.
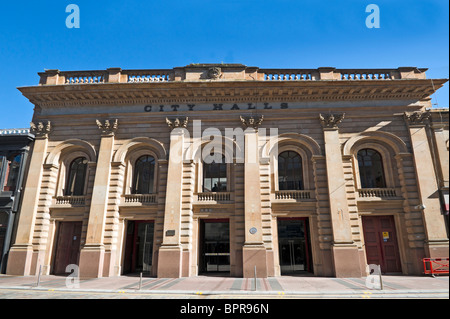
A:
12, 173
76, 177
371, 170
290, 171
2, 170
144, 175
215, 176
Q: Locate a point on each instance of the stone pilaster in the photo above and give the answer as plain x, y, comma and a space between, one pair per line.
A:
254, 251
345, 254
92, 255
436, 242
170, 257
441, 139
20, 259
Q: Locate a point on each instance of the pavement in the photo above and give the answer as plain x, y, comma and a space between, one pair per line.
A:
213, 287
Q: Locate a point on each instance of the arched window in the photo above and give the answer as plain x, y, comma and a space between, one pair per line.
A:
371, 170
215, 176
290, 171
76, 177
144, 175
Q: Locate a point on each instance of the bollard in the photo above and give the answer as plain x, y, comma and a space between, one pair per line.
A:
140, 282
381, 279
254, 288
39, 276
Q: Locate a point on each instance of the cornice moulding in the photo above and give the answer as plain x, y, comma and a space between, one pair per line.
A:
231, 92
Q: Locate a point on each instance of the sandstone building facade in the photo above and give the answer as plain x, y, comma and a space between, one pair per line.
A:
228, 168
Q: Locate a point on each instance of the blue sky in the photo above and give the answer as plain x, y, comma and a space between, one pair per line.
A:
164, 34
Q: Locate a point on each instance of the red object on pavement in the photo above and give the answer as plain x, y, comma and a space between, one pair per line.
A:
435, 266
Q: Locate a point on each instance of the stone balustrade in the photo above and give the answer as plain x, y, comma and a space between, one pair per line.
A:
290, 75
83, 77
140, 198
214, 196
367, 74
294, 194
235, 72
70, 200
139, 76
377, 192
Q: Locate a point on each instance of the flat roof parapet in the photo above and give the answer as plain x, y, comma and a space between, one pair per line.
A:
209, 72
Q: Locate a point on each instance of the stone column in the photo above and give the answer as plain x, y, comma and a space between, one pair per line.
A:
254, 251
344, 250
170, 258
93, 253
21, 253
436, 243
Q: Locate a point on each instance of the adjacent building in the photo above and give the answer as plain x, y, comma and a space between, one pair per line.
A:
234, 169
14, 149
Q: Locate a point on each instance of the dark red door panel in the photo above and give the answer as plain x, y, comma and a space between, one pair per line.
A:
67, 246
381, 243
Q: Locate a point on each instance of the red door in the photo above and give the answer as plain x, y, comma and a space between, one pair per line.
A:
67, 246
381, 243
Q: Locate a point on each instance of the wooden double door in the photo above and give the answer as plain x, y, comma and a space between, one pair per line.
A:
381, 243
67, 246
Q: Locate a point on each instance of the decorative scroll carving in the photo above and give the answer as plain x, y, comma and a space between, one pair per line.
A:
40, 129
107, 128
214, 73
175, 123
417, 118
250, 121
331, 120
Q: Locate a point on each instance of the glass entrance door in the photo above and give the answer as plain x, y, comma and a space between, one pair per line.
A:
215, 246
293, 246
139, 247
145, 247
